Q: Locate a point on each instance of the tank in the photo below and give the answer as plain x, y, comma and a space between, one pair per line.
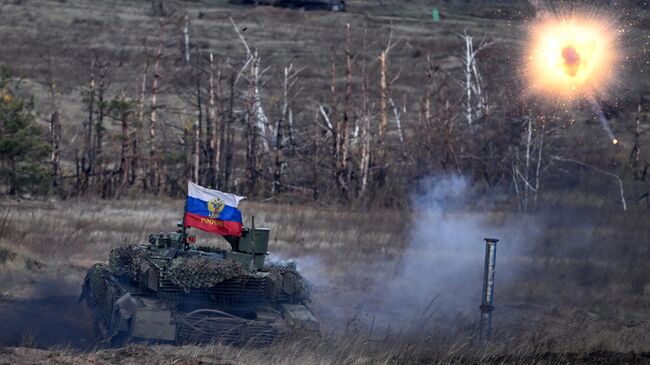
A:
172, 290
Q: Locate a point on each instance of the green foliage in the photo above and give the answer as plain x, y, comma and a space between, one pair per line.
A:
23, 149
119, 108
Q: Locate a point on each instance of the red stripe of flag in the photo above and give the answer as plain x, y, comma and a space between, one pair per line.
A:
224, 228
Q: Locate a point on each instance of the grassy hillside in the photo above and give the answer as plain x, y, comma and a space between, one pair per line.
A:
55, 40
52, 39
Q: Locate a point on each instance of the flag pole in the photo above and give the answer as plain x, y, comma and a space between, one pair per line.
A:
184, 229
252, 246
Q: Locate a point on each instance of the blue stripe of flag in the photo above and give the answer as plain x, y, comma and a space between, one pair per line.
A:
200, 207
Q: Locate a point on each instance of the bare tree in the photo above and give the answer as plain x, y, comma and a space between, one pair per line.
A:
55, 136
227, 133
87, 157
614, 176
284, 121
153, 173
99, 121
384, 96
186, 38
528, 169
256, 119
214, 132
196, 152
344, 133
334, 125
121, 110
365, 151
527, 187
135, 130
476, 101
55, 144
636, 149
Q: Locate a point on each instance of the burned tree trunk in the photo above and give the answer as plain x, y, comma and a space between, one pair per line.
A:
283, 122
383, 119
636, 149
252, 132
188, 147
333, 117
228, 135
212, 127
344, 133
87, 157
476, 104
135, 135
251, 153
257, 123
279, 145
196, 171
124, 153
186, 38
99, 123
55, 144
315, 162
152, 177
336, 127
216, 140
364, 159
279, 161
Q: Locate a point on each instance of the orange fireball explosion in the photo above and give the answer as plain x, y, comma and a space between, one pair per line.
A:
571, 56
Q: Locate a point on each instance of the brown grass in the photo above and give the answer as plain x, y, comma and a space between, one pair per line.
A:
584, 289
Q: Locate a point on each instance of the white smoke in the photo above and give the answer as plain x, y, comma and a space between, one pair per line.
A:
443, 261
439, 276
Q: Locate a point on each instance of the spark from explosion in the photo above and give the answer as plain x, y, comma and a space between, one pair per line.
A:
603, 120
573, 56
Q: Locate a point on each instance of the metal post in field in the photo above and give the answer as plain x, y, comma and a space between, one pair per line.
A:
252, 245
487, 300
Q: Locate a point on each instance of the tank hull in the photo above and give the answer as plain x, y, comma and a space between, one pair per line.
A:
233, 312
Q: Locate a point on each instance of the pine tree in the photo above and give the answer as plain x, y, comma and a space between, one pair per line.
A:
23, 147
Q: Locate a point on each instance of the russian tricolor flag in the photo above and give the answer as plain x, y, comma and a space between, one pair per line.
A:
213, 211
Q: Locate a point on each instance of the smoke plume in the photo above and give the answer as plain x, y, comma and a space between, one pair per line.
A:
439, 276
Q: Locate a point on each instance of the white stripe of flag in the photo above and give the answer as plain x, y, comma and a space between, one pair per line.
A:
205, 194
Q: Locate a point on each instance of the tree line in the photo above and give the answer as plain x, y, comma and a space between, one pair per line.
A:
230, 125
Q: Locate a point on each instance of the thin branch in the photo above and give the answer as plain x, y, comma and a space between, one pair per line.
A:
329, 126
611, 174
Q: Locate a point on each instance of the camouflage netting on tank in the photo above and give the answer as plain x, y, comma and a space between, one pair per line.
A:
278, 271
203, 272
100, 290
128, 259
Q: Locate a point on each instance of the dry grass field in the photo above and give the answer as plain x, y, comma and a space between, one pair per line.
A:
394, 287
